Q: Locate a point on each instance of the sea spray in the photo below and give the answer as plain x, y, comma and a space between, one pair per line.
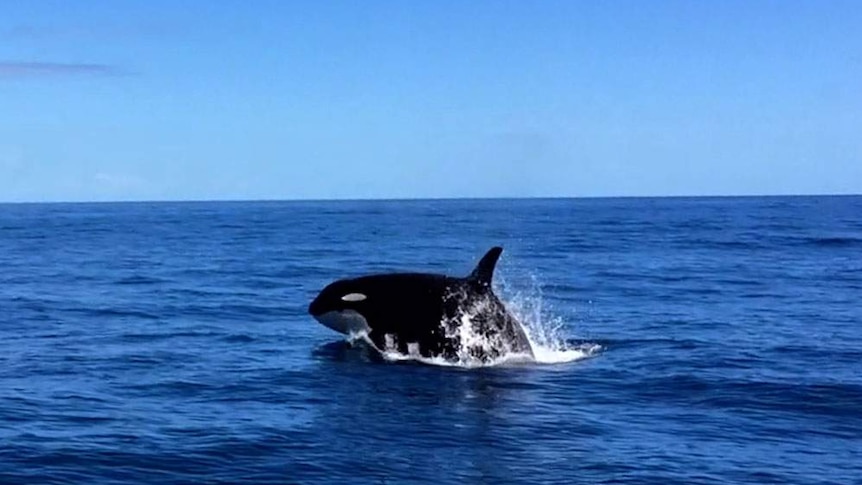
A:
544, 330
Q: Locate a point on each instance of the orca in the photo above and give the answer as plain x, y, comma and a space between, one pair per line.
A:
430, 315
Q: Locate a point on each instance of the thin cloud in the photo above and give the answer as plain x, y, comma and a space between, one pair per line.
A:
48, 69
67, 33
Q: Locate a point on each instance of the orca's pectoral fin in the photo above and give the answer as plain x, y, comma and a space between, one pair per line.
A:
485, 269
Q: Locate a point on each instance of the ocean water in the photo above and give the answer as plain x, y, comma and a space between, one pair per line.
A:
681, 340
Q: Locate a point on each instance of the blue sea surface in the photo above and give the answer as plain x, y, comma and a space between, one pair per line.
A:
169, 343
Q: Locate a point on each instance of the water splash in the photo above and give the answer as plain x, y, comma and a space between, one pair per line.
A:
543, 330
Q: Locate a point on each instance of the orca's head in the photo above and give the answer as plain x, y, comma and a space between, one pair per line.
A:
340, 306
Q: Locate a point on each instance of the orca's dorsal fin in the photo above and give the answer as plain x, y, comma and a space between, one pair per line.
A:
485, 269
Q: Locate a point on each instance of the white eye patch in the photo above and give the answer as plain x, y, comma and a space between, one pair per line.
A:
353, 297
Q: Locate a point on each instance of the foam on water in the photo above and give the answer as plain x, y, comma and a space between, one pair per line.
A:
544, 331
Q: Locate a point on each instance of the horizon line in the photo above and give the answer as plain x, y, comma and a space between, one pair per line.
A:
419, 199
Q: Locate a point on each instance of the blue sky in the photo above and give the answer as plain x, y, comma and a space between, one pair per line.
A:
158, 100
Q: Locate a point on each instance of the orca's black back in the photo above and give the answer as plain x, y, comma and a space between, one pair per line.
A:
409, 308
421, 308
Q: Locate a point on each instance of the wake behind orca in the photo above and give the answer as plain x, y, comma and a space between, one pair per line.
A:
429, 315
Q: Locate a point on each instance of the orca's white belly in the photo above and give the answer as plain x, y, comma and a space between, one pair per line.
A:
348, 322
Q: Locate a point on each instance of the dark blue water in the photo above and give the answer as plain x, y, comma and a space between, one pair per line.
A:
168, 343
